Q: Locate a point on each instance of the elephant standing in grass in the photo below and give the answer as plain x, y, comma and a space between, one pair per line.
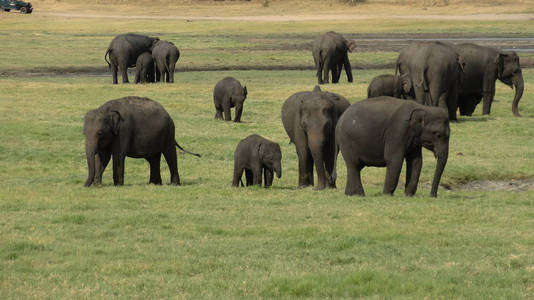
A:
165, 54
385, 131
330, 55
229, 93
134, 127
124, 51
310, 120
484, 65
144, 69
392, 86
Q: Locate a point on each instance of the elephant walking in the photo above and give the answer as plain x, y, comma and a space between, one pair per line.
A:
229, 93
435, 69
484, 65
124, 51
330, 55
385, 131
134, 127
165, 54
310, 120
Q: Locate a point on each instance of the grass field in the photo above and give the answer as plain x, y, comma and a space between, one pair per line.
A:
205, 239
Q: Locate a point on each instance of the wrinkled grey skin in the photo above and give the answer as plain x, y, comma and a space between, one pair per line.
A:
124, 50
144, 69
310, 120
484, 65
435, 69
330, 55
392, 86
385, 131
165, 55
134, 127
229, 93
256, 155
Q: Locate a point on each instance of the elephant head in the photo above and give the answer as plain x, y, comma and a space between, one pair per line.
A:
406, 86
351, 45
318, 118
431, 126
100, 128
238, 99
271, 156
509, 72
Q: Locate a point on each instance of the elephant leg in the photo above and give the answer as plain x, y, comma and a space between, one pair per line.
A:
488, 100
157, 74
393, 170
167, 76
227, 113
118, 168
114, 71
238, 173
102, 160
319, 68
326, 70
171, 71
123, 67
155, 174
452, 102
354, 181
137, 78
268, 177
218, 113
256, 174
249, 176
305, 167
172, 162
348, 68
414, 164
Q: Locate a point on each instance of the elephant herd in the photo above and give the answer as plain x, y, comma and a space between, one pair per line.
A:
403, 113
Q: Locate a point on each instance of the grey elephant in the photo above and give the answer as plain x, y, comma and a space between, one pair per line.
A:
310, 120
256, 155
144, 69
165, 54
385, 131
124, 50
330, 55
435, 69
484, 65
134, 127
391, 85
229, 93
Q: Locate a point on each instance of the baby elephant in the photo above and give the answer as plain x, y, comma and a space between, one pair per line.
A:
229, 93
256, 155
391, 85
144, 68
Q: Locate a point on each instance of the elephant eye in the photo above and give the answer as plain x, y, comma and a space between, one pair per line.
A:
99, 132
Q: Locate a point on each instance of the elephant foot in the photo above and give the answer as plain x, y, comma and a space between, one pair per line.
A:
318, 188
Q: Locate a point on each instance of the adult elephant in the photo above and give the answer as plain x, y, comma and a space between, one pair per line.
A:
385, 131
165, 54
435, 69
330, 55
134, 127
310, 119
124, 50
484, 65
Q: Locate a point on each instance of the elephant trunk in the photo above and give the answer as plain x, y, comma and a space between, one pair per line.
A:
442, 157
277, 167
90, 152
316, 145
519, 85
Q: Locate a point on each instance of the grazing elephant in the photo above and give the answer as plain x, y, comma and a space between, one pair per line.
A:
384, 131
484, 65
330, 55
144, 69
310, 120
134, 127
256, 155
391, 85
229, 93
165, 55
124, 50
435, 69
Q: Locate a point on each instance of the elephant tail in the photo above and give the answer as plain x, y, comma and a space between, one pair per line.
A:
108, 52
180, 147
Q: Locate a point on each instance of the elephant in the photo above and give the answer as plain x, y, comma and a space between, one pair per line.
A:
229, 93
435, 70
330, 55
165, 54
484, 65
134, 127
310, 119
384, 131
256, 155
144, 68
124, 51
391, 85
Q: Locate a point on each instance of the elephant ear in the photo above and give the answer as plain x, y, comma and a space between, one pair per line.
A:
417, 121
261, 151
351, 45
461, 62
499, 61
115, 120
245, 92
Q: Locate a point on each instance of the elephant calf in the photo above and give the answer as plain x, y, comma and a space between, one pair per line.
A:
390, 85
144, 69
256, 155
383, 132
229, 93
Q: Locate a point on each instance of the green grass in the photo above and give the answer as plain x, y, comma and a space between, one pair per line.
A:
205, 239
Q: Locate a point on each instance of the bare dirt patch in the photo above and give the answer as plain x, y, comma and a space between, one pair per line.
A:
513, 185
